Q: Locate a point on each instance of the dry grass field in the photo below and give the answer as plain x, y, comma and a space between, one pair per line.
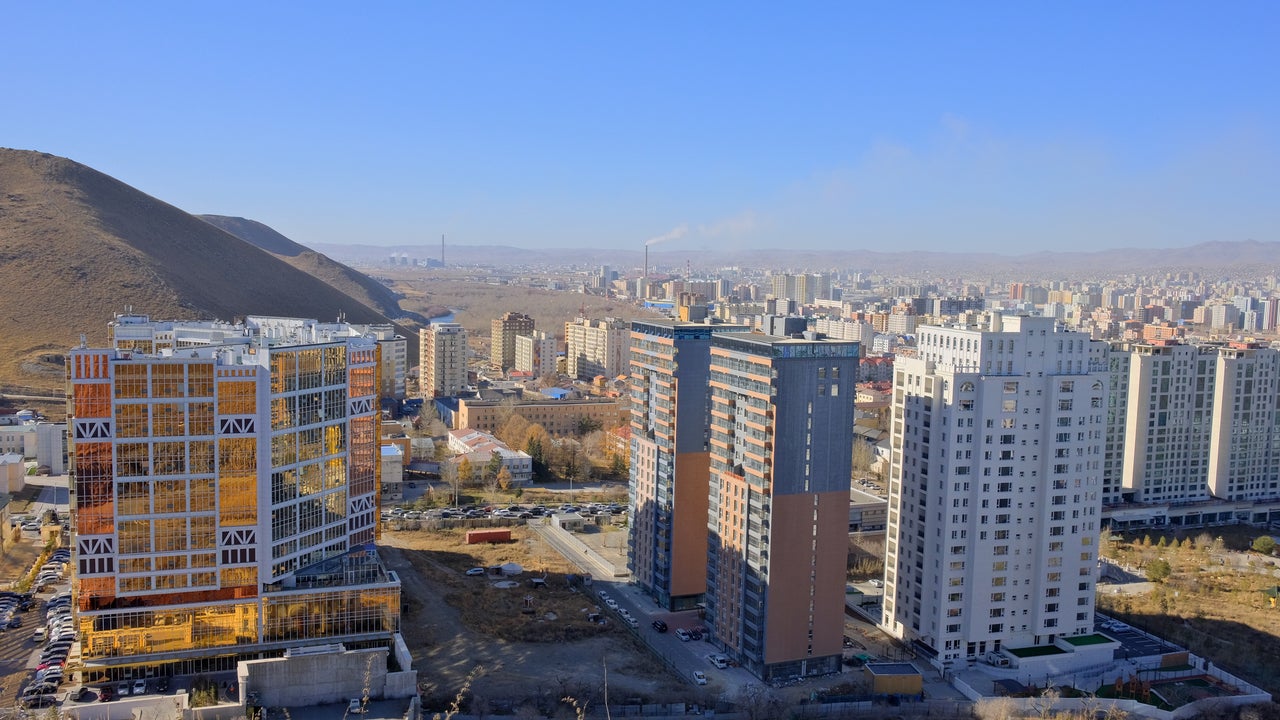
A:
1213, 602
475, 304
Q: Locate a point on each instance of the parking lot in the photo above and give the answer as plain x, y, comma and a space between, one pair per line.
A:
1133, 642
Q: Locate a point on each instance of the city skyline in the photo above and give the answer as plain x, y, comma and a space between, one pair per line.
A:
711, 127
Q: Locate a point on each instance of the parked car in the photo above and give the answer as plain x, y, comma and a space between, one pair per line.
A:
354, 706
83, 694
475, 571
683, 635
876, 582
139, 687
122, 689
106, 694
660, 626
699, 677
37, 700
718, 660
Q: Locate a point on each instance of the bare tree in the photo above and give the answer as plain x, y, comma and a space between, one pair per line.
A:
996, 708
1044, 703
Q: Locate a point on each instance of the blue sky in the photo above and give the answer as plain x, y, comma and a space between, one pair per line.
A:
1008, 127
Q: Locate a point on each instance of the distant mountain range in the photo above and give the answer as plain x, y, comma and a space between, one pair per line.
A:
77, 246
1212, 259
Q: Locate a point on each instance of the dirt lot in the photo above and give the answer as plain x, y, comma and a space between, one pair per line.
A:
456, 625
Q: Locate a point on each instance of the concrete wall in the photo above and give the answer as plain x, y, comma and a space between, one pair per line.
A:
316, 679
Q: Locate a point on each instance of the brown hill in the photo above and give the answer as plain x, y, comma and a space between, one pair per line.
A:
77, 246
354, 283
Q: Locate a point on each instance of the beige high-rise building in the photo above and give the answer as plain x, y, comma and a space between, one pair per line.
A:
596, 347
443, 360
502, 338
1187, 424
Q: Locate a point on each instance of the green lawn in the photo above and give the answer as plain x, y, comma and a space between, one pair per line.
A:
1083, 640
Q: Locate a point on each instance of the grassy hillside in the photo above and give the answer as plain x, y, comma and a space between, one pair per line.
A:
77, 246
354, 283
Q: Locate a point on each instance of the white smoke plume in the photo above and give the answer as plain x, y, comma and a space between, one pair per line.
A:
675, 234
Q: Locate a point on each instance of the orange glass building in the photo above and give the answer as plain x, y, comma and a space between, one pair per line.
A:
224, 493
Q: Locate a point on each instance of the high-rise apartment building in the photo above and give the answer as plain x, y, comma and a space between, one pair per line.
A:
670, 458
778, 502
995, 487
1159, 420
596, 347
502, 338
1189, 423
224, 493
536, 353
442, 359
804, 289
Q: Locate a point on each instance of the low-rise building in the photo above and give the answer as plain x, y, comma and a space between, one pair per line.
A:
558, 417
480, 447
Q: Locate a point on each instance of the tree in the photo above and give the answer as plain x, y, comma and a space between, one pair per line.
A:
504, 478
584, 425
1158, 570
1264, 544
466, 472
449, 473
494, 465
618, 466
513, 431
864, 454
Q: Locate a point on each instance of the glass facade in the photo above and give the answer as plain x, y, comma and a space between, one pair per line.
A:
206, 485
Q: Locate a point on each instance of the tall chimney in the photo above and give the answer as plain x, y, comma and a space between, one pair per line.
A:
644, 281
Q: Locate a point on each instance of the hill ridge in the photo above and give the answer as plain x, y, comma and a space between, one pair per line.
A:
77, 246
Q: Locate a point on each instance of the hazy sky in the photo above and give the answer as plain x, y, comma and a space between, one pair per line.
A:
1010, 126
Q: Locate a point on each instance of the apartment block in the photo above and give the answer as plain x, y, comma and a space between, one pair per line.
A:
502, 338
995, 487
536, 353
224, 494
596, 347
670, 458
1191, 434
778, 502
443, 360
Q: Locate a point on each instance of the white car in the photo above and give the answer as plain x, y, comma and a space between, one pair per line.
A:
699, 677
476, 571
611, 603
355, 707
876, 582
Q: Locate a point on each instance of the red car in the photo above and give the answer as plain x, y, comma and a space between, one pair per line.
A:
106, 693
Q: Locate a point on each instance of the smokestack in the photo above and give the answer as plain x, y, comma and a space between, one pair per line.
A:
644, 281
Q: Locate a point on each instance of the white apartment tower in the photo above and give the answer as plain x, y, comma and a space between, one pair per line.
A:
536, 353
443, 360
995, 487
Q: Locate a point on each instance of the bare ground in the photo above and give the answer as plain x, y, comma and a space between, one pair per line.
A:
450, 640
